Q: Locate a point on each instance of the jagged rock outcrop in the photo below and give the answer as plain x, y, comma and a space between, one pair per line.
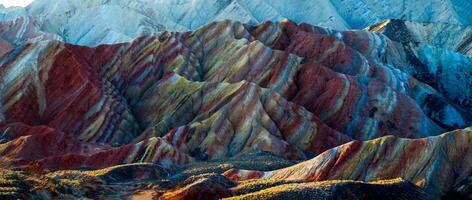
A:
11, 13
453, 37
20, 31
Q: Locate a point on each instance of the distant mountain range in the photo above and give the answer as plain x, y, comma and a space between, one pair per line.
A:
93, 22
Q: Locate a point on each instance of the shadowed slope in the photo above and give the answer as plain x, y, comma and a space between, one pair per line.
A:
441, 35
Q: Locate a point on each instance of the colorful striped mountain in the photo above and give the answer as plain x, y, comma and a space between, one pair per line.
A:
237, 110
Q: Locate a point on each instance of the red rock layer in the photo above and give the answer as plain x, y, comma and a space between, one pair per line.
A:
217, 120
199, 56
362, 53
47, 84
51, 149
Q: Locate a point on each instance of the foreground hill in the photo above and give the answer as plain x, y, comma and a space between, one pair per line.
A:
434, 163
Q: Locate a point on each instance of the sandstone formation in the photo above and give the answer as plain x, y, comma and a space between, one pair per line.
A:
235, 109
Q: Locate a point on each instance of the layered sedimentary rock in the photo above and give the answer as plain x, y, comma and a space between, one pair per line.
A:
405, 68
43, 84
228, 88
229, 119
228, 94
43, 147
434, 163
